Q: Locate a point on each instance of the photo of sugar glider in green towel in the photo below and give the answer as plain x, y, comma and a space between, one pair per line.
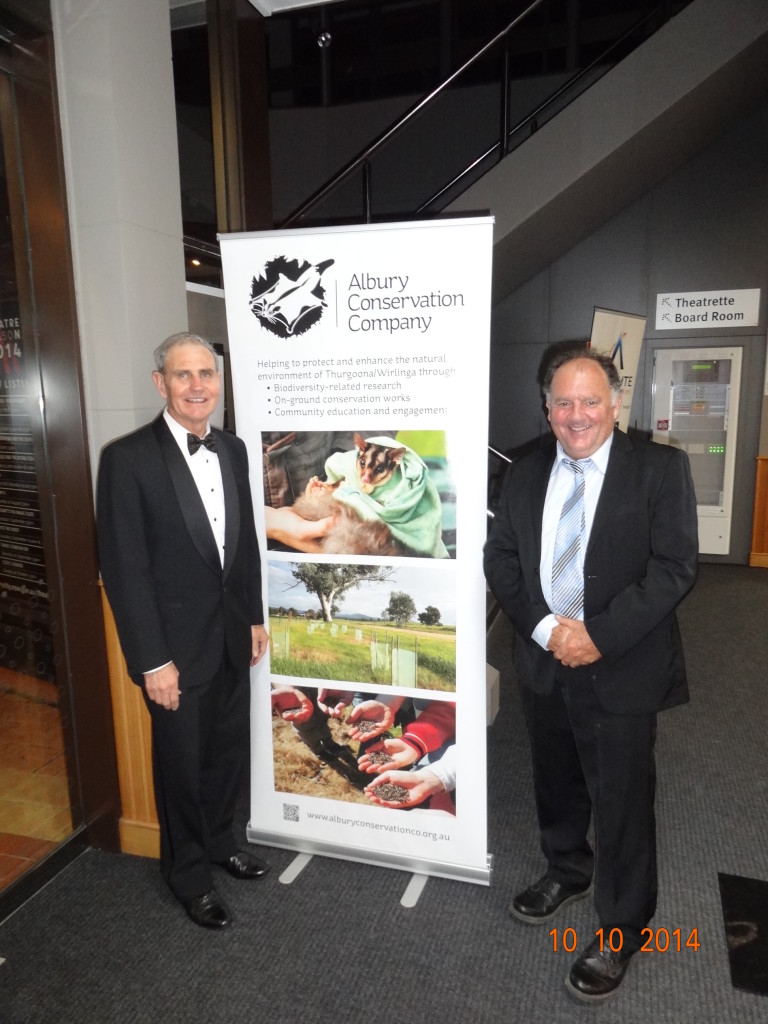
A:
381, 500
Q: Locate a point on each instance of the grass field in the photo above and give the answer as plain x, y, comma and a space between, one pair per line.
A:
364, 652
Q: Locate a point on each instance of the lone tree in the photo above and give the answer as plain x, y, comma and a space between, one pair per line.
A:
400, 608
330, 583
430, 616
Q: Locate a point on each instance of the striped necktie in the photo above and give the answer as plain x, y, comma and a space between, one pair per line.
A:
567, 574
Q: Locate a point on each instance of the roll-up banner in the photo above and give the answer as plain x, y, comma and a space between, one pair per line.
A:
359, 362
620, 335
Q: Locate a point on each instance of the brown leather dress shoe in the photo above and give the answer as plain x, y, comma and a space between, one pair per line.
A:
542, 900
597, 973
245, 865
208, 911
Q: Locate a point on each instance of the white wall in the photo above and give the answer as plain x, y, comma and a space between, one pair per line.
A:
115, 83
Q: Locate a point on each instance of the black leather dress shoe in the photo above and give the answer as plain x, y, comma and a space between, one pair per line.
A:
245, 865
208, 911
597, 973
542, 900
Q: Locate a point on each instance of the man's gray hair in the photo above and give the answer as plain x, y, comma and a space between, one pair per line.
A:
182, 338
579, 351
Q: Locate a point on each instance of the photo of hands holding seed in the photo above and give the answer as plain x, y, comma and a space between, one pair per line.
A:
365, 747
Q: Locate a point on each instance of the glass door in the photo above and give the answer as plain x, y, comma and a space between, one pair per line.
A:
695, 407
35, 809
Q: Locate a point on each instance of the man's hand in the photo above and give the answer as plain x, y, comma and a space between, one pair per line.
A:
571, 644
162, 686
259, 643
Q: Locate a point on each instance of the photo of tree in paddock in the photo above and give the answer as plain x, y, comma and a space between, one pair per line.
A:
366, 624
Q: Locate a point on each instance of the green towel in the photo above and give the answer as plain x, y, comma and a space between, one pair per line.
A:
408, 502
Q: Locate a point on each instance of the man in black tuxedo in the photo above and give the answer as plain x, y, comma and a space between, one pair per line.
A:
180, 564
593, 547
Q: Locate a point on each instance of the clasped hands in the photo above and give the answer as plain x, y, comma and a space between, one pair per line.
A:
571, 644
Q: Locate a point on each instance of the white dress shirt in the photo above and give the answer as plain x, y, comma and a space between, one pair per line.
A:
206, 472
560, 486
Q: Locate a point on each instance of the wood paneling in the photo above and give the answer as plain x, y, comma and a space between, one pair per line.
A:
139, 830
759, 552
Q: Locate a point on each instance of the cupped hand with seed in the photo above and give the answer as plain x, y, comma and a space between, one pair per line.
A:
333, 702
397, 752
369, 719
291, 704
410, 788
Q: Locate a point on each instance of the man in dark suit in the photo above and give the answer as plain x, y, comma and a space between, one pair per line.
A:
593, 547
180, 564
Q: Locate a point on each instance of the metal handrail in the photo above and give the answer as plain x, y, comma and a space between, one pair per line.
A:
501, 147
364, 156
504, 458
532, 118
200, 245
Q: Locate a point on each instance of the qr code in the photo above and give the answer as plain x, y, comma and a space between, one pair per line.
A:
291, 812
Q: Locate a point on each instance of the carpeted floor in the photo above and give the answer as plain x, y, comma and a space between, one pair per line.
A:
104, 942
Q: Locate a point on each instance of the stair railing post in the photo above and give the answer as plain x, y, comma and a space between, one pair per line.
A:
504, 146
367, 190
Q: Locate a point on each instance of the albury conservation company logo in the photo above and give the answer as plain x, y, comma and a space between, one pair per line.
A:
288, 298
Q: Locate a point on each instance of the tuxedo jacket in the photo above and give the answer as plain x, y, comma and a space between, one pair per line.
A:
641, 560
160, 565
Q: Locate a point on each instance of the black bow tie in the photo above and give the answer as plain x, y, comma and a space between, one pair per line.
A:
194, 442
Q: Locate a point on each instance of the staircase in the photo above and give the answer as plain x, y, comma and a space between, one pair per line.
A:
646, 117
583, 159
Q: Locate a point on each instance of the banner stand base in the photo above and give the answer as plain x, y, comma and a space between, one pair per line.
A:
295, 868
413, 890
303, 846
409, 899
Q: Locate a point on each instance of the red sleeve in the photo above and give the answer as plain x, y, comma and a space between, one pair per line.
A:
434, 727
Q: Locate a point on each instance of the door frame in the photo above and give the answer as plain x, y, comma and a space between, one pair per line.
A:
37, 195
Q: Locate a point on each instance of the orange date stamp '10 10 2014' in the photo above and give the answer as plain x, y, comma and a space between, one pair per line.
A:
653, 940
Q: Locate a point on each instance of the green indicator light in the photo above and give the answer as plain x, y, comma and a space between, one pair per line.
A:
717, 449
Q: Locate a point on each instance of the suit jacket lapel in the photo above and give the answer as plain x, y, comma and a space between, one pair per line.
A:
231, 503
539, 495
613, 485
537, 500
190, 503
